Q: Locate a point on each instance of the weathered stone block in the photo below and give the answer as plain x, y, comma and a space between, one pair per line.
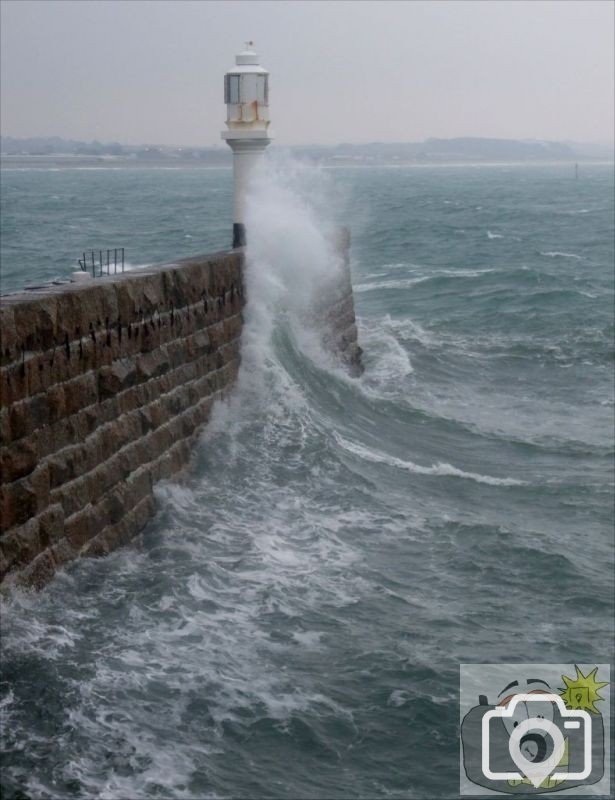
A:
8, 335
13, 384
63, 552
51, 524
152, 417
56, 437
56, 403
39, 572
25, 497
21, 545
73, 496
59, 471
101, 479
80, 527
86, 305
35, 322
5, 426
115, 506
128, 429
116, 377
129, 458
27, 415
216, 334
81, 392
233, 327
18, 460
152, 364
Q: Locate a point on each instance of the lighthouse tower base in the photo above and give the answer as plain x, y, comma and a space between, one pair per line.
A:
248, 153
239, 235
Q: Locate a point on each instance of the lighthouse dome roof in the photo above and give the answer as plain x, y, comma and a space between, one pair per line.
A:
248, 61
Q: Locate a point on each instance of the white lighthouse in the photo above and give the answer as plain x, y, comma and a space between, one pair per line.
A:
246, 94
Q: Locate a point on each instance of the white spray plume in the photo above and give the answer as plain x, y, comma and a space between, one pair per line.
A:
289, 258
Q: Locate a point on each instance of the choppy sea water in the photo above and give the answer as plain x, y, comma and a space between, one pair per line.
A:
292, 622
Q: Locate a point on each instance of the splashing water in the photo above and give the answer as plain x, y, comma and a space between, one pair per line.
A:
290, 256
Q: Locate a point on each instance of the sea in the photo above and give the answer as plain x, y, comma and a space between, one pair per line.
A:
292, 622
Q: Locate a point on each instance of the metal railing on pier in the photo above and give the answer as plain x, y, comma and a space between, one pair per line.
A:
94, 261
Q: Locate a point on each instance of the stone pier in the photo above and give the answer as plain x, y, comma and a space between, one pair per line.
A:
104, 386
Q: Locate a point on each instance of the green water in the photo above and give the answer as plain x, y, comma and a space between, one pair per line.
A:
292, 623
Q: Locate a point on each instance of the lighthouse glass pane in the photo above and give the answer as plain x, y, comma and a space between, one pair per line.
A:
231, 89
262, 93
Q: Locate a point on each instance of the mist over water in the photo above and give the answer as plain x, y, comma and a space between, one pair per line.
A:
292, 622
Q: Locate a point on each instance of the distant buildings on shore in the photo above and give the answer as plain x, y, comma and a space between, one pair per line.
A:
469, 149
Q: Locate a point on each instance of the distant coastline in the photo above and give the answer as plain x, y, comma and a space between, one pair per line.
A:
54, 151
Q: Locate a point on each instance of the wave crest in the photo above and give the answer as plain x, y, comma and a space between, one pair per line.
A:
440, 469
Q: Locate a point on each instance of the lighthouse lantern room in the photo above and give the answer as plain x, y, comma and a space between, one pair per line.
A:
246, 94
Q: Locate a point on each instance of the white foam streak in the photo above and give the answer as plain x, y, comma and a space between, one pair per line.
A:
407, 283
392, 284
439, 469
558, 254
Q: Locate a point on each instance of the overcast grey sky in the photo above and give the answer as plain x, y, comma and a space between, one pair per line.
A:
137, 71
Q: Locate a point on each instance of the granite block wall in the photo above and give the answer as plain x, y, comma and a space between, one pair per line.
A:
103, 387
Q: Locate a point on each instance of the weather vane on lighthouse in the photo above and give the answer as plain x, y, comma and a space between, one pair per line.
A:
246, 94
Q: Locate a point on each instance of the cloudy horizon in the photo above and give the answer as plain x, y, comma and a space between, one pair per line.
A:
151, 72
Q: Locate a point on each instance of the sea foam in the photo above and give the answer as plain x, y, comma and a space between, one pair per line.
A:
439, 469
